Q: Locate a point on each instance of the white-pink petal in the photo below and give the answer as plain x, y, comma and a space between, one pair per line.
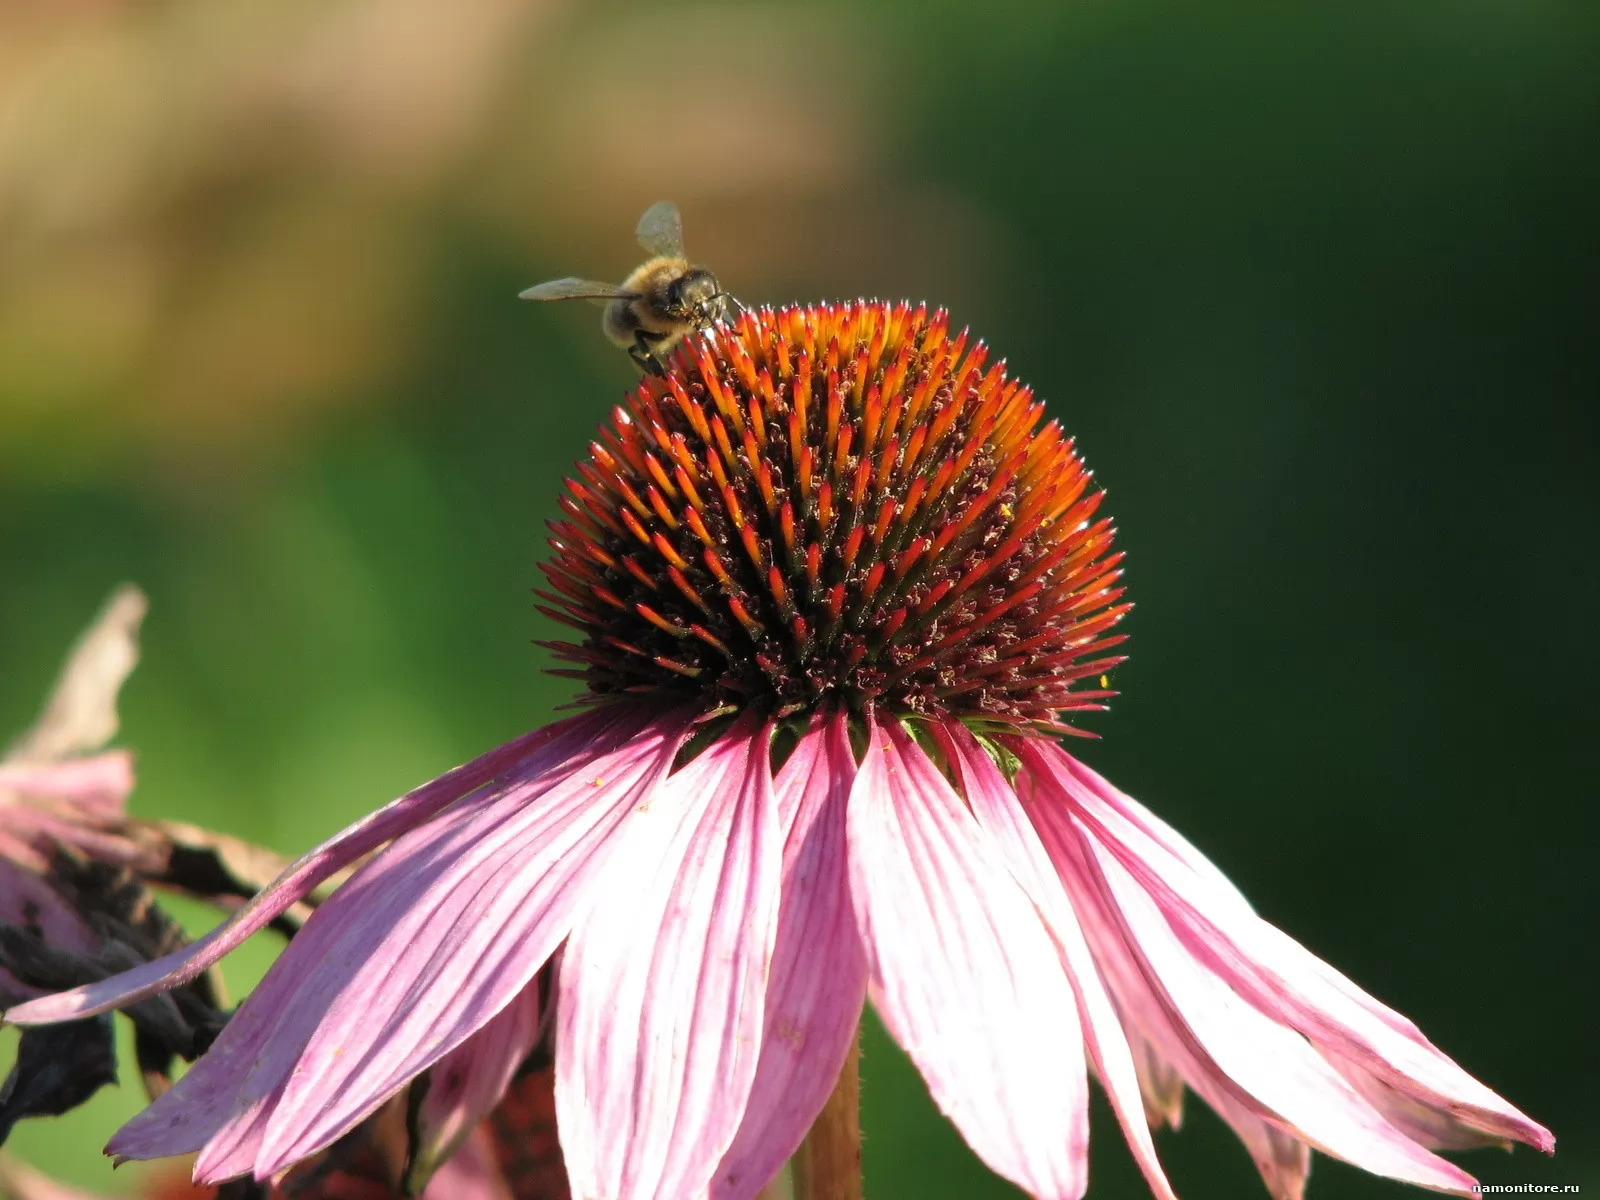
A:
662, 985
1166, 1057
819, 970
998, 810
1233, 1050
964, 972
1271, 969
473, 1173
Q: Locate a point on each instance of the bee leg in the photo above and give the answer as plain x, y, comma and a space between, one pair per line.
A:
641, 354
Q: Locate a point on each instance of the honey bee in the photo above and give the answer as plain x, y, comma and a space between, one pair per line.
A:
661, 300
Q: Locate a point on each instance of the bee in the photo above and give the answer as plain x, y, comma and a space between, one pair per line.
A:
660, 302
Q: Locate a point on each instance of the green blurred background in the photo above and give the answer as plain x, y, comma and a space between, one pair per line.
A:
1308, 283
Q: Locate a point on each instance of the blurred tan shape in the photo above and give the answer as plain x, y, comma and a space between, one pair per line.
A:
18, 1181
81, 714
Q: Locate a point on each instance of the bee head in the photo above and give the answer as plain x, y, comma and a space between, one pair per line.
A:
695, 293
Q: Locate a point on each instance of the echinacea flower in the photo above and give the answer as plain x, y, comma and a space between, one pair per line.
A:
57, 793
837, 586
72, 906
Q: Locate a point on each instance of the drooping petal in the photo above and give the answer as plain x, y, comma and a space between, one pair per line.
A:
1224, 1045
1158, 829
819, 969
466, 1084
498, 890
542, 750
1167, 1056
1172, 1058
98, 784
79, 803
417, 951
965, 973
1271, 969
471, 1174
662, 986
21, 850
1283, 1160
1160, 1084
29, 902
1427, 1125
998, 810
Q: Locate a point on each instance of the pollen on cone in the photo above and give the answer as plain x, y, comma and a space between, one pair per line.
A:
840, 504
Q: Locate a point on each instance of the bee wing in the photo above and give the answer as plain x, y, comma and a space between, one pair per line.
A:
660, 230
576, 289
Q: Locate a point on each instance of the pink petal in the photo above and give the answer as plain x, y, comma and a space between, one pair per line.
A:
965, 973
1165, 1063
471, 1174
1283, 1159
450, 944
29, 902
465, 1085
662, 984
1167, 1056
80, 802
419, 949
1000, 813
542, 749
1160, 1084
99, 783
45, 829
16, 850
1274, 971
1164, 1058
1238, 1058
1157, 829
1426, 1125
819, 969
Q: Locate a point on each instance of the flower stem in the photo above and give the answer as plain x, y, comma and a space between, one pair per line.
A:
828, 1164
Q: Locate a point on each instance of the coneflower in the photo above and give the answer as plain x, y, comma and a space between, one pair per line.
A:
836, 586
72, 906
